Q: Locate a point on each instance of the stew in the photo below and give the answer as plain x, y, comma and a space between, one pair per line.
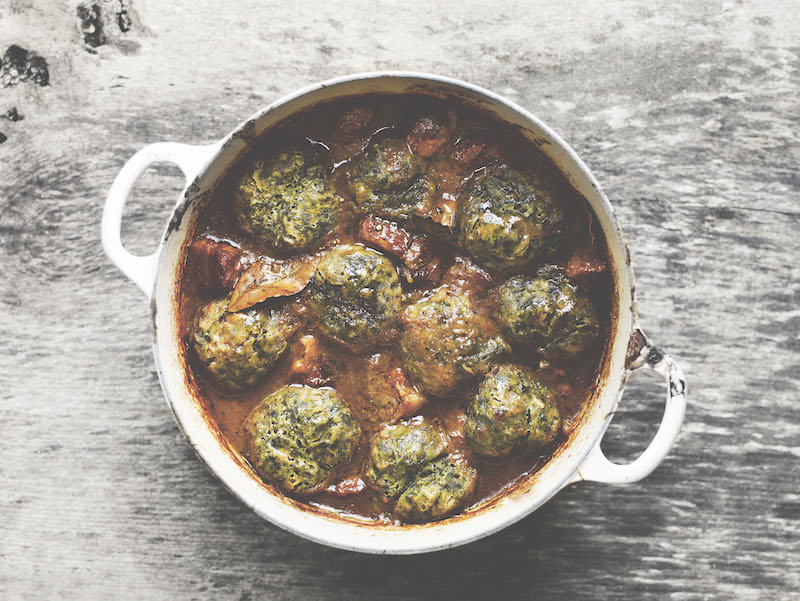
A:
395, 307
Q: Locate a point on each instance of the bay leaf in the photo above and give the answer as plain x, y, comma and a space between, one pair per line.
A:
271, 278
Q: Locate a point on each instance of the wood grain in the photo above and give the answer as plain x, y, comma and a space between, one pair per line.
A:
688, 114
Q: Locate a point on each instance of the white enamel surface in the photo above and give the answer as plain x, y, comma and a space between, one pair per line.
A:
189, 158
581, 459
598, 468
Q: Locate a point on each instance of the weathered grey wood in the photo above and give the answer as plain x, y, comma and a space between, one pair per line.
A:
687, 112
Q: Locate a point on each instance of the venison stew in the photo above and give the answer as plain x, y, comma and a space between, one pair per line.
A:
394, 308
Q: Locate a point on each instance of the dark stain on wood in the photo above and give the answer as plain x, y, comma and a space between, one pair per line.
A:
91, 24
106, 23
12, 115
19, 65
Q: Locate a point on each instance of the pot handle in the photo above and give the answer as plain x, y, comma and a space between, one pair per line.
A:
596, 467
190, 159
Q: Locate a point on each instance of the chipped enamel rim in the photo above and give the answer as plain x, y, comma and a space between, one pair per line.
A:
580, 458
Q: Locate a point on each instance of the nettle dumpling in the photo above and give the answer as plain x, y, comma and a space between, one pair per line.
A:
445, 341
240, 348
506, 219
547, 313
390, 180
410, 466
299, 435
511, 408
288, 201
355, 294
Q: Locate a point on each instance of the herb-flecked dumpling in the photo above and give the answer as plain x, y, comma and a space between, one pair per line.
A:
299, 435
288, 201
240, 348
355, 294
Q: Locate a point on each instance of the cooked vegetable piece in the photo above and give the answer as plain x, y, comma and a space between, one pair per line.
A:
271, 278
240, 348
408, 464
445, 341
355, 294
298, 436
507, 219
288, 201
511, 408
548, 313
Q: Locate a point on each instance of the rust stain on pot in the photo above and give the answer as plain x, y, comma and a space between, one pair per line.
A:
637, 344
154, 317
247, 132
191, 196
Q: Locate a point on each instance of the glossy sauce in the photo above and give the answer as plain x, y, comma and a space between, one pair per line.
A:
573, 382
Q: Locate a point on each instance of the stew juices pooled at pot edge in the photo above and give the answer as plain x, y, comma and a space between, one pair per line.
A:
395, 308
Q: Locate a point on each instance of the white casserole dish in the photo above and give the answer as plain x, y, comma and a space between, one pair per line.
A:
580, 458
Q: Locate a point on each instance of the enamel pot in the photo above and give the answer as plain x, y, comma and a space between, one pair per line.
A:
580, 458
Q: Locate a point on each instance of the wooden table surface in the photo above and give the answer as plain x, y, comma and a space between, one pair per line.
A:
687, 113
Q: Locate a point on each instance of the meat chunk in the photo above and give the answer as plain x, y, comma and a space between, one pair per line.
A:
410, 398
464, 275
430, 133
453, 424
385, 234
377, 389
351, 133
353, 122
349, 486
584, 263
447, 176
217, 264
420, 262
311, 365
474, 151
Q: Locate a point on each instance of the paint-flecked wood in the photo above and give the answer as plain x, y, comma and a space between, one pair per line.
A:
688, 114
